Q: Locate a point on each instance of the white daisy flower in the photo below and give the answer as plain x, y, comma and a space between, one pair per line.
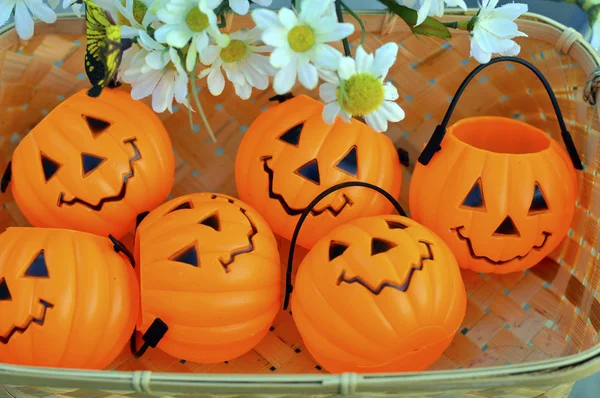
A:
23, 10
242, 6
242, 64
359, 90
494, 30
188, 20
163, 77
300, 42
134, 16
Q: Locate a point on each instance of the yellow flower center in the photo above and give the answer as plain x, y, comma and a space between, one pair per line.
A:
364, 94
196, 20
139, 12
235, 51
301, 38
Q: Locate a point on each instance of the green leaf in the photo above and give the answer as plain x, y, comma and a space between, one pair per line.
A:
429, 27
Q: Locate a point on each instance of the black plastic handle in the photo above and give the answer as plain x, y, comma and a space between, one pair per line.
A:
435, 141
288, 278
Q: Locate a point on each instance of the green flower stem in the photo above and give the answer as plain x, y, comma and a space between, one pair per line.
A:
340, 17
200, 109
460, 25
360, 22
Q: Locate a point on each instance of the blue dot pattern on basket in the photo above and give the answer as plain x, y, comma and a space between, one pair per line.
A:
219, 107
58, 63
526, 307
195, 173
219, 151
81, 76
243, 128
408, 98
195, 128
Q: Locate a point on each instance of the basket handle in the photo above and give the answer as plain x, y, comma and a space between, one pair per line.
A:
288, 279
435, 141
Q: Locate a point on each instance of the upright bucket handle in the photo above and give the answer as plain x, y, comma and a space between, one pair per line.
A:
435, 141
288, 279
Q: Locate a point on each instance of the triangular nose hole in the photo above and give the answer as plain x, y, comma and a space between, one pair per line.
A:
212, 221
381, 246
188, 255
4, 292
310, 171
96, 126
336, 249
90, 163
38, 268
507, 228
395, 225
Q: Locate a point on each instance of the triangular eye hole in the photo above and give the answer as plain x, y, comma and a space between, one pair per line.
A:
538, 203
38, 267
349, 163
381, 246
183, 206
336, 249
96, 126
4, 292
189, 256
90, 163
310, 171
212, 221
50, 167
292, 136
474, 199
395, 225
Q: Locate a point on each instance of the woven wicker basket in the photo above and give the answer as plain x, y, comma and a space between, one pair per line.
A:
525, 334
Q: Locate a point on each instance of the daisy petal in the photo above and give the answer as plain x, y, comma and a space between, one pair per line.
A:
178, 38
160, 100
127, 32
149, 42
500, 27
209, 55
240, 6
391, 111
330, 111
244, 91
201, 42
308, 76
253, 77
328, 92
327, 57
511, 51
329, 76
264, 3
42, 11
216, 81
479, 54
6, 7
23, 21
191, 58
276, 37
161, 33
285, 79
158, 59
376, 122
390, 93
145, 85
265, 19
509, 11
287, 18
364, 61
234, 74
385, 57
341, 31
313, 10
281, 57
347, 68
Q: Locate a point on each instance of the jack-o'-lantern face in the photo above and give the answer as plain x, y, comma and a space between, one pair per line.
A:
379, 294
93, 164
290, 155
60, 290
216, 259
500, 193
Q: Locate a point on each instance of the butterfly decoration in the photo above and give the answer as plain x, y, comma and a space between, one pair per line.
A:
104, 48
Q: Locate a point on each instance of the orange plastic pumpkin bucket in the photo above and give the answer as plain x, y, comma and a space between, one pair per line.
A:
500, 192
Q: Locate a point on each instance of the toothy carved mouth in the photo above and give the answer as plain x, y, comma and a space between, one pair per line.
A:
489, 260
116, 198
22, 329
398, 286
295, 212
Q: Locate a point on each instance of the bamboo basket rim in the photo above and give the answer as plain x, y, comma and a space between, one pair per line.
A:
552, 371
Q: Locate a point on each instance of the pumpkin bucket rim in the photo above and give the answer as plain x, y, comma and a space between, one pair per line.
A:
530, 139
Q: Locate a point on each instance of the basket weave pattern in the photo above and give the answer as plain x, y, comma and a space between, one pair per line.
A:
551, 311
